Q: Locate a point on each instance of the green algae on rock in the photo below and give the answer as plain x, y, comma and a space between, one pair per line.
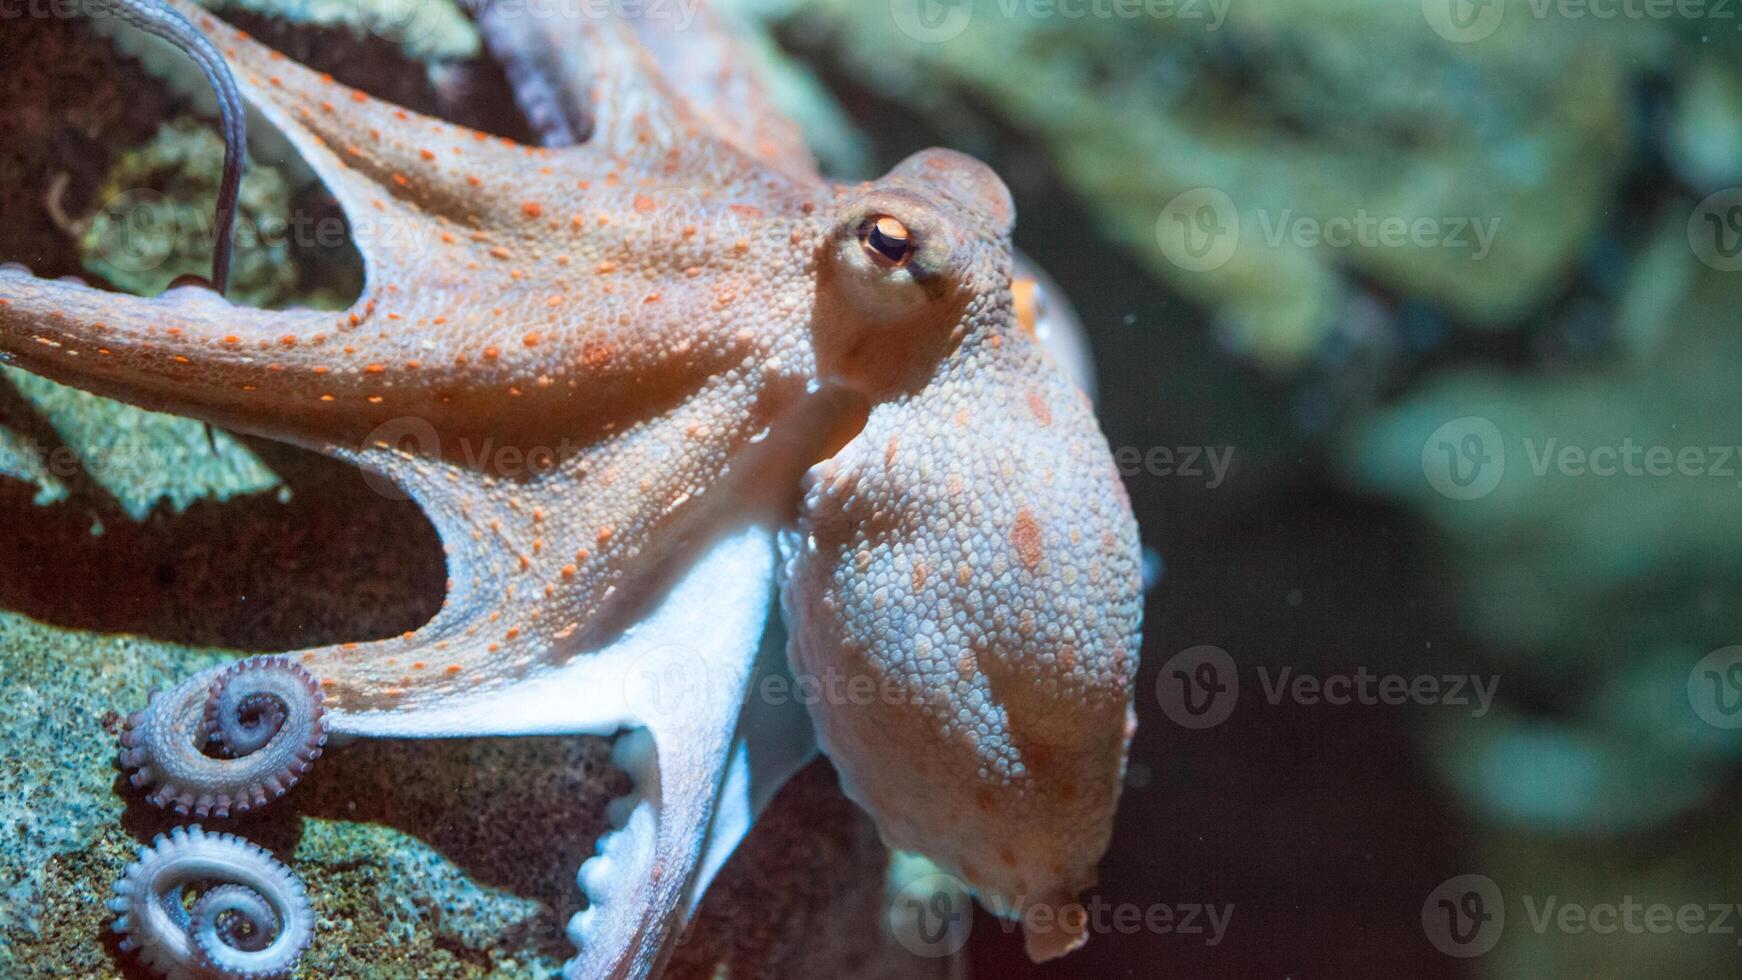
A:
139, 458
153, 222
1279, 117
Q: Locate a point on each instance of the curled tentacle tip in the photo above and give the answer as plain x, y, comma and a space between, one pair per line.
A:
228, 740
249, 918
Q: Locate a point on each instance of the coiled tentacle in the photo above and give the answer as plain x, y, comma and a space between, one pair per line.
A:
250, 919
264, 713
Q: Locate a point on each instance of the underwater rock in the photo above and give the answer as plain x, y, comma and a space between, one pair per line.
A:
1248, 125
56, 437
430, 31
153, 220
1552, 498
1705, 128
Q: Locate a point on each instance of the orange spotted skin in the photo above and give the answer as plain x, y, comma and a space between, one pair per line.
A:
579, 360
589, 335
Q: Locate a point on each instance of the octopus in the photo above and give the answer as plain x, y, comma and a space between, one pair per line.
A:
658, 385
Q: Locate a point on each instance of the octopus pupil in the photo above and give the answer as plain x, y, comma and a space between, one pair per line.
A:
889, 239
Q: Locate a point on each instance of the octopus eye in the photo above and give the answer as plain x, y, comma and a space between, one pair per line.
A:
887, 241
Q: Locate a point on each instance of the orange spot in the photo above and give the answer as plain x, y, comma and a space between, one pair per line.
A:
501, 252
359, 97
491, 353
452, 669
530, 340
1037, 405
604, 534
569, 571
1026, 538
532, 209
645, 204
375, 369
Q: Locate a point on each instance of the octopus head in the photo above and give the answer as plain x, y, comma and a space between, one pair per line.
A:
963, 588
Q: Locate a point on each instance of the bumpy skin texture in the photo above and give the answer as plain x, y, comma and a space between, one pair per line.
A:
972, 559
580, 360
